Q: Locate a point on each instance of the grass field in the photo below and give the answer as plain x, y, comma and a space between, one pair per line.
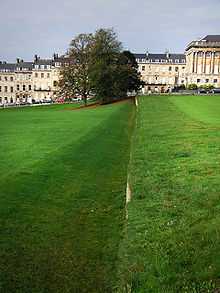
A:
173, 233
62, 194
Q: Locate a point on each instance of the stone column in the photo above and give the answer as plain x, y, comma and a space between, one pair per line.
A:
218, 63
204, 62
196, 62
213, 62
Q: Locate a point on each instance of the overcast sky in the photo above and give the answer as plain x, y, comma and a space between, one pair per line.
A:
29, 27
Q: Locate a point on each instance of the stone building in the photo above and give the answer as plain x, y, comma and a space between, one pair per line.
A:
38, 80
203, 61
45, 75
161, 72
199, 65
24, 82
7, 83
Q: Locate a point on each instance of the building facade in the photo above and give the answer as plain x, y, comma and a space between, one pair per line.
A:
203, 61
24, 82
38, 80
161, 72
200, 65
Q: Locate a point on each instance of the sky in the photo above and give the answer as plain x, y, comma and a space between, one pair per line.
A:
44, 27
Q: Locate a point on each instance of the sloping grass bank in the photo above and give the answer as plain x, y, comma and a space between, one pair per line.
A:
62, 194
173, 232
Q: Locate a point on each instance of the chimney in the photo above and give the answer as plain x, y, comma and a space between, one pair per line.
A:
36, 58
18, 60
147, 54
167, 54
55, 56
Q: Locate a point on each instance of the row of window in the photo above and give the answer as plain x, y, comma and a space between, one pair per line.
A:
6, 100
6, 78
42, 75
11, 78
207, 80
11, 89
42, 66
208, 54
160, 60
170, 68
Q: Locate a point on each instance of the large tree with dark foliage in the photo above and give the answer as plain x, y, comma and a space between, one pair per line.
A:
98, 65
75, 72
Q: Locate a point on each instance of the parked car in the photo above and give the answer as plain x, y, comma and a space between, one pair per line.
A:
202, 91
216, 91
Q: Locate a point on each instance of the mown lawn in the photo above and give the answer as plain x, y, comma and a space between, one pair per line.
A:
63, 177
173, 233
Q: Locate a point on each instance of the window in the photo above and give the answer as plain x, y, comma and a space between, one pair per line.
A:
177, 61
0, 78
170, 68
215, 80
18, 87
207, 80
36, 74
29, 87
143, 68
23, 87
42, 75
183, 67
176, 69
48, 75
198, 80
0, 88
11, 78
6, 78
6, 89
12, 89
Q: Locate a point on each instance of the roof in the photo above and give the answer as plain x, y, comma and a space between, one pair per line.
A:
7, 67
26, 65
171, 58
44, 61
211, 38
212, 41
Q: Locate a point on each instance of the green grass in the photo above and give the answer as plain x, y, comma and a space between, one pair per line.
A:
173, 233
62, 194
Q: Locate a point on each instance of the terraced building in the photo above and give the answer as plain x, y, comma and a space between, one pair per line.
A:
200, 65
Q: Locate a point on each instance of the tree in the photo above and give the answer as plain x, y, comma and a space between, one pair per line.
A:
75, 73
192, 86
105, 51
128, 79
113, 72
98, 65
